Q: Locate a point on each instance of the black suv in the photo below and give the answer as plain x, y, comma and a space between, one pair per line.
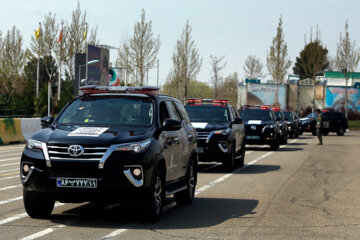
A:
220, 132
293, 123
334, 122
283, 124
261, 126
112, 144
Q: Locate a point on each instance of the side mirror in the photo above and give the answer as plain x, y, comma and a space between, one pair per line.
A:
171, 125
237, 121
46, 121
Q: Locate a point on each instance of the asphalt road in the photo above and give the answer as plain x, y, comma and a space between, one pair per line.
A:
302, 191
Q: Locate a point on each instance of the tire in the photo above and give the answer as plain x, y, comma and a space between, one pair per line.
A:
297, 135
284, 140
155, 199
340, 131
229, 161
314, 133
37, 207
291, 135
241, 160
325, 133
275, 146
187, 196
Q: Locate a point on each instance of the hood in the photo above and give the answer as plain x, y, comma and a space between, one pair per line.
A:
101, 136
258, 122
210, 126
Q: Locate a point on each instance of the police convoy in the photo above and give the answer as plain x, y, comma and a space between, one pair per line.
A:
132, 144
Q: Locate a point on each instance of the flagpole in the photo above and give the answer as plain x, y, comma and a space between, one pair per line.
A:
38, 64
60, 38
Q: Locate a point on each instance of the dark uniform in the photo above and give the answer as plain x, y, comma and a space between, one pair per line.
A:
319, 126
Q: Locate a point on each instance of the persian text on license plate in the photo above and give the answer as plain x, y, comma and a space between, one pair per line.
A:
76, 182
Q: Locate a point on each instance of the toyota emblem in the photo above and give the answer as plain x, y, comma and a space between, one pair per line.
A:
253, 127
75, 150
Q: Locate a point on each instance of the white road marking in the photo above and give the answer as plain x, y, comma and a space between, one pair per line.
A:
21, 215
10, 200
10, 187
114, 234
9, 159
7, 178
44, 232
9, 170
118, 232
9, 164
13, 154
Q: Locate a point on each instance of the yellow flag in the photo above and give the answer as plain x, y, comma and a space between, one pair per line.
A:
85, 33
37, 34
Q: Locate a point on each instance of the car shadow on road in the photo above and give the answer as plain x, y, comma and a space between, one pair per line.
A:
297, 144
256, 169
204, 212
289, 149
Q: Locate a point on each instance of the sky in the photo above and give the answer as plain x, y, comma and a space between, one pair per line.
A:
230, 28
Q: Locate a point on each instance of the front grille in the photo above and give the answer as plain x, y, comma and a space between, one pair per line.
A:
85, 165
202, 135
60, 152
253, 130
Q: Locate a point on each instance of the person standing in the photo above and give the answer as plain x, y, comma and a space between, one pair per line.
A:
319, 125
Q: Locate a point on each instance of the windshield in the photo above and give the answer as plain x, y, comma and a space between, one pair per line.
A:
256, 114
278, 114
287, 115
311, 115
207, 113
108, 111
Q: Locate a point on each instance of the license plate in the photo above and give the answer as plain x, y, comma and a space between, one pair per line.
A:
253, 137
200, 150
76, 182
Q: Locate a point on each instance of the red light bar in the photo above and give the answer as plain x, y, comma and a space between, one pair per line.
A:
276, 109
262, 107
194, 100
221, 101
93, 89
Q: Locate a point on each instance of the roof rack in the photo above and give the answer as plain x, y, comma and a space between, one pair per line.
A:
93, 89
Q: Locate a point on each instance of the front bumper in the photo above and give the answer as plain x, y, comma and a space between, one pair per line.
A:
115, 182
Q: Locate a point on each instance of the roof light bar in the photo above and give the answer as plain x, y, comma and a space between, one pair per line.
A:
262, 107
195, 100
93, 89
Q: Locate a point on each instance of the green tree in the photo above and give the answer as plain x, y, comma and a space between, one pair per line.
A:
12, 61
196, 89
277, 60
312, 61
347, 58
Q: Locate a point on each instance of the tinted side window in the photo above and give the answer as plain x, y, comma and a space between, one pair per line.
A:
164, 114
172, 111
182, 112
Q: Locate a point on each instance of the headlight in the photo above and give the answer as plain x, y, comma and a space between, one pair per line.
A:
136, 147
33, 144
223, 132
268, 126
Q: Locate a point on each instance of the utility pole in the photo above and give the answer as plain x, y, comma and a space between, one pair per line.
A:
157, 75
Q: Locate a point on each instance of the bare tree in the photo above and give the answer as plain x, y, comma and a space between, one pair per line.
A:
186, 62
253, 67
277, 61
229, 88
143, 47
216, 67
12, 61
347, 58
76, 39
123, 59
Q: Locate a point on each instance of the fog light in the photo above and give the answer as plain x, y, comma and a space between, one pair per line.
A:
26, 168
137, 172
